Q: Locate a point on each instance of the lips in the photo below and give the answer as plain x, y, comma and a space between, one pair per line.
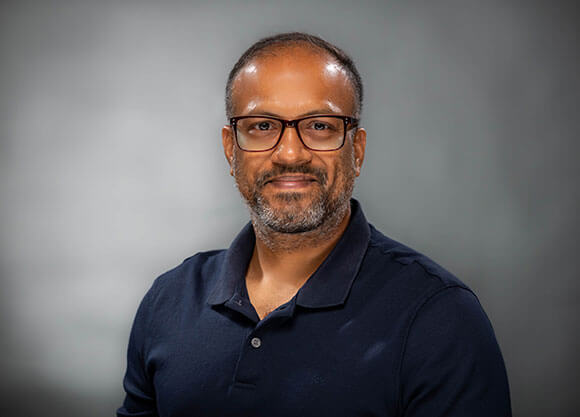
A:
293, 178
292, 181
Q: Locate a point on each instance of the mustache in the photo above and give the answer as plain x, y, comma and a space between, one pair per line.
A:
318, 173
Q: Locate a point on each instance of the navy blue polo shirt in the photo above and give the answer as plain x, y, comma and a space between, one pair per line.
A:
377, 330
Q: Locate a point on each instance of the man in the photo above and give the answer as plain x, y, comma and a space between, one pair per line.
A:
311, 311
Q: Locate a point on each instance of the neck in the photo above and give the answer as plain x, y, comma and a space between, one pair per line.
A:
290, 258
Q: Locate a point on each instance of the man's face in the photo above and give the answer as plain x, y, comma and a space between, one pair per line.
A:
293, 189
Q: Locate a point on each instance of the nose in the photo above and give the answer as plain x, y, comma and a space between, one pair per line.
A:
290, 149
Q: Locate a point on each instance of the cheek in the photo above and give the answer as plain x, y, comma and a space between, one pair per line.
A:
344, 168
239, 162
246, 167
238, 165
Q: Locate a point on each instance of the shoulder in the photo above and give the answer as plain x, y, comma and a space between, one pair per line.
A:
451, 356
413, 268
447, 340
433, 295
193, 273
419, 286
176, 293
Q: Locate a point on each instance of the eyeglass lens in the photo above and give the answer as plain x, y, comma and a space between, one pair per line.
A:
317, 133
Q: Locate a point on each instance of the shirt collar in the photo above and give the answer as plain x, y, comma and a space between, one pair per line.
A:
328, 286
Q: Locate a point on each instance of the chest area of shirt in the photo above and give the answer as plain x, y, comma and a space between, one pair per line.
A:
295, 362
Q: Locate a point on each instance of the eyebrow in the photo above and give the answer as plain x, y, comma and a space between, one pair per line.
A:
310, 113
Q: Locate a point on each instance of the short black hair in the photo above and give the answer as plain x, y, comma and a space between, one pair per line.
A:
290, 39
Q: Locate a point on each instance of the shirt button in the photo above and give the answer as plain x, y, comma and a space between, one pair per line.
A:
256, 342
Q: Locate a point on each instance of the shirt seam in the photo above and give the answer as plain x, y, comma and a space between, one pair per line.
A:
389, 252
427, 299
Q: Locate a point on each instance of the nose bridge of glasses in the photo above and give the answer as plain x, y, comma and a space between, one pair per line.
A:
284, 145
285, 131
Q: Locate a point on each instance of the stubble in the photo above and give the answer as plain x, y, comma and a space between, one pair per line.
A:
293, 220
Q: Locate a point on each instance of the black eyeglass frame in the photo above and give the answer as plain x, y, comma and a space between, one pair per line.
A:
349, 123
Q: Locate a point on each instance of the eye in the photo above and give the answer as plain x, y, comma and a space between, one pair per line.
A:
264, 126
321, 125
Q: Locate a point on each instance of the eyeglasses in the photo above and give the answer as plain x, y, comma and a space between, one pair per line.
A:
318, 133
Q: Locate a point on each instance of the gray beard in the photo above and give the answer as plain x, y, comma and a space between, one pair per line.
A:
314, 221
300, 228
279, 228
290, 220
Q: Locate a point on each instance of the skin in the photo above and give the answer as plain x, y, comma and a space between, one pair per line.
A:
290, 83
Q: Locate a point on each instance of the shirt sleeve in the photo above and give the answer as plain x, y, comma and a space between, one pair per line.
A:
138, 385
451, 364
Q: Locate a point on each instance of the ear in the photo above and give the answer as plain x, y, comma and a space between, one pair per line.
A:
228, 143
359, 143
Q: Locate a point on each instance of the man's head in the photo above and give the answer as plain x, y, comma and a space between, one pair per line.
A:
295, 185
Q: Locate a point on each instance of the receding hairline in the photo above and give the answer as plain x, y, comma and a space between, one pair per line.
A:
276, 51
276, 47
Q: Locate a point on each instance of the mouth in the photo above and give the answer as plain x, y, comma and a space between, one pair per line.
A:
292, 181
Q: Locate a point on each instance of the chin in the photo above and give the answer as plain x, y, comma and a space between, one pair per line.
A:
292, 197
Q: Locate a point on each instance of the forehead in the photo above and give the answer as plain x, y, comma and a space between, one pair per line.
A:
293, 81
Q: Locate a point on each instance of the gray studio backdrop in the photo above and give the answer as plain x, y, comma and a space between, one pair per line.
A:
111, 170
